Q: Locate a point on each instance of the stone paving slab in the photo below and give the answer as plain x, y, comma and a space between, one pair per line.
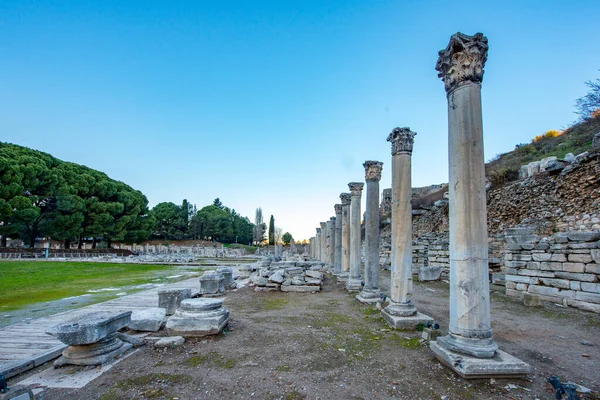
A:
24, 346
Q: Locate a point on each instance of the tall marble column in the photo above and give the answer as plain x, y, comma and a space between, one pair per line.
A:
469, 348
401, 313
331, 261
343, 276
323, 240
354, 282
318, 245
338, 240
370, 292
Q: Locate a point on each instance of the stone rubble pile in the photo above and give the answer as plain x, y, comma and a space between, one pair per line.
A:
288, 276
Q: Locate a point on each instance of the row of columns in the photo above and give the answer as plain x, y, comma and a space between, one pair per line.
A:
468, 348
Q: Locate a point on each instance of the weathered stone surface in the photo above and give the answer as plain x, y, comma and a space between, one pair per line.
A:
171, 299
407, 322
277, 277
90, 328
198, 317
587, 296
314, 274
559, 283
148, 320
544, 290
499, 366
531, 300
573, 267
430, 273
575, 276
590, 287
212, 283
581, 236
227, 273
300, 289
171, 341
583, 258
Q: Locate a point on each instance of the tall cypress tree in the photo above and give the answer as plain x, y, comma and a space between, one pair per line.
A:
272, 231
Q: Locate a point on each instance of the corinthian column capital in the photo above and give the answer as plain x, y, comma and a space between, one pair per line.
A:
462, 61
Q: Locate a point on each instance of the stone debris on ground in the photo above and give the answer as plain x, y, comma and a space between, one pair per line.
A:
288, 276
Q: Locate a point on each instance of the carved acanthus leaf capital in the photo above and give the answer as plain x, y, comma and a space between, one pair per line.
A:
345, 197
338, 209
373, 170
463, 60
402, 140
318, 231
323, 225
356, 188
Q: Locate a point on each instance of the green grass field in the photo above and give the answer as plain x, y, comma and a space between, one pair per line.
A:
28, 282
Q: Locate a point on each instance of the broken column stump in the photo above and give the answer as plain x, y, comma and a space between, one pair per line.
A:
198, 317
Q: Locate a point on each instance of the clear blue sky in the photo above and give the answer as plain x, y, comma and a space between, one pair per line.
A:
276, 103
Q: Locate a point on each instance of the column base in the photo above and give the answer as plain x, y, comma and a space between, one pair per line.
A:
354, 285
99, 353
369, 296
406, 322
476, 347
502, 365
343, 276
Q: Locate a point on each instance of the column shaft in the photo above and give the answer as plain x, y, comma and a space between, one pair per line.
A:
338, 239
354, 282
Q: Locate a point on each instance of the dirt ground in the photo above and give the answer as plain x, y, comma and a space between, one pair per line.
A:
330, 346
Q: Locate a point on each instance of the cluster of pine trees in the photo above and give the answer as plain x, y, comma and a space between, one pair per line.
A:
44, 197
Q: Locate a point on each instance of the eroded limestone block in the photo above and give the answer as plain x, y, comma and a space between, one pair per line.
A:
148, 320
212, 283
301, 289
170, 299
430, 273
227, 273
198, 317
171, 341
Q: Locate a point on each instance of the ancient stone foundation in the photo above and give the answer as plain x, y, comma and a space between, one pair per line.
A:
198, 318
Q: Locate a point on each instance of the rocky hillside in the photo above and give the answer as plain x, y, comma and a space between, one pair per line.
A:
550, 202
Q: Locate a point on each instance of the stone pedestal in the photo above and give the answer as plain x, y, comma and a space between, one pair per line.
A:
469, 348
228, 280
338, 240
354, 282
212, 284
370, 292
343, 276
92, 338
198, 317
172, 298
401, 313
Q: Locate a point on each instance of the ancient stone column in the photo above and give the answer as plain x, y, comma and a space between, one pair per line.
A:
323, 241
401, 313
470, 339
338, 240
345, 197
331, 261
354, 282
318, 244
370, 292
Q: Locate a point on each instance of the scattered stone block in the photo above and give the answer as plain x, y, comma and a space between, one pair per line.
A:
532, 300
581, 236
227, 273
212, 283
198, 317
171, 299
277, 277
148, 320
92, 338
301, 289
171, 341
314, 274
430, 274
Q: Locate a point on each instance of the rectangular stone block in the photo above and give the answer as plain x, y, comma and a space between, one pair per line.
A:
534, 272
573, 267
515, 264
541, 256
522, 287
595, 255
559, 283
551, 266
517, 278
511, 285
575, 276
558, 257
534, 281
592, 268
580, 258
522, 257
508, 257
515, 293
591, 245
575, 285
584, 305
589, 297
543, 290
533, 265
590, 287
567, 294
